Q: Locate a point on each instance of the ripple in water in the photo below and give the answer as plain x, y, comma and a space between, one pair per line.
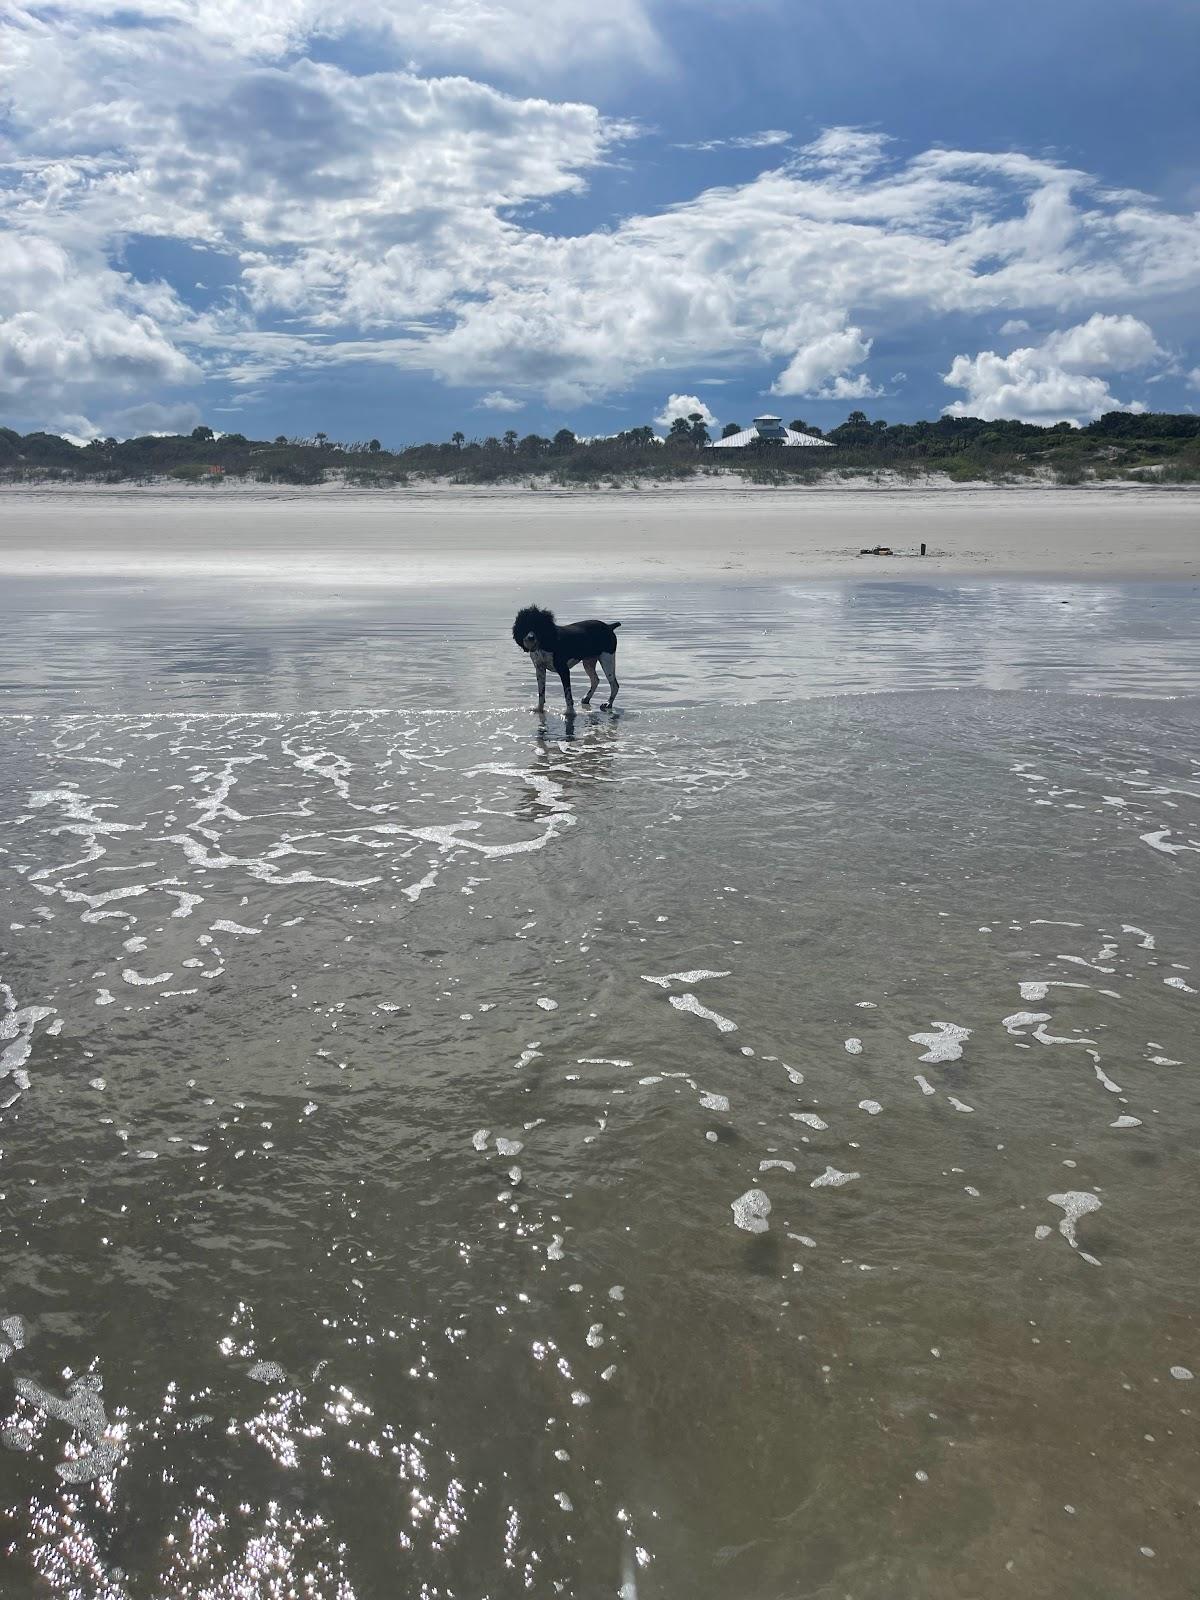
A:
281, 1315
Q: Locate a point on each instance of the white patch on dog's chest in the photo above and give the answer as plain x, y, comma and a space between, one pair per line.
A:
543, 658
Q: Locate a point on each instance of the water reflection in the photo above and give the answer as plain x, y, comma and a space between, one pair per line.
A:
145, 646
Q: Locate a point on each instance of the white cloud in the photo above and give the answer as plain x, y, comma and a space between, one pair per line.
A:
73, 328
524, 37
1050, 382
1114, 344
393, 218
848, 153
1012, 327
498, 401
683, 405
153, 418
842, 388
75, 428
1193, 378
828, 356
764, 140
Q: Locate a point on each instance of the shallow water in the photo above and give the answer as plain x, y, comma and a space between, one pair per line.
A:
740, 1150
151, 645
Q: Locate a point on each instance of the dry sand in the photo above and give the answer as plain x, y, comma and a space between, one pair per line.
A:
436, 535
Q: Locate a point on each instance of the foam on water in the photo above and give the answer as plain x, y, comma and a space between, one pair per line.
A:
689, 1002
946, 1044
751, 1211
1075, 1203
390, 1241
831, 1178
695, 975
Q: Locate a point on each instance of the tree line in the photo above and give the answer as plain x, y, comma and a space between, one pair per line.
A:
1162, 445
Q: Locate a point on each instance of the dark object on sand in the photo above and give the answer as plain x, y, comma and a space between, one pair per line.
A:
536, 632
922, 549
879, 550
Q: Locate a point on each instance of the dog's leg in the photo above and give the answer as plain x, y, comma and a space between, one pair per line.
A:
564, 673
608, 662
540, 668
589, 667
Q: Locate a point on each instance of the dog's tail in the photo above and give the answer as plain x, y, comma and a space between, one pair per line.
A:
614, 625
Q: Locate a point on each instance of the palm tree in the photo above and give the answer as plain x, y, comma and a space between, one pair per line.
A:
458, 440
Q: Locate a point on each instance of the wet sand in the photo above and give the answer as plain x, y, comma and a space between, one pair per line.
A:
345, 538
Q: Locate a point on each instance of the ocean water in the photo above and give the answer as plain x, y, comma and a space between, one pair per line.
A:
741, 1147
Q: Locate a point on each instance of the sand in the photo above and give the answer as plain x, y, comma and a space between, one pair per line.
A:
438, 535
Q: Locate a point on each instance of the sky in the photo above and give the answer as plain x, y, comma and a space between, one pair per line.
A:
395, 221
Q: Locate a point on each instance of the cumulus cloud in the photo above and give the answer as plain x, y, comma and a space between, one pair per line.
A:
523, 37
392, 217
1113, 344
1055, 381
72, 327
153, 418
1014, 326
683, 405
498, 401
827, 357
75, 428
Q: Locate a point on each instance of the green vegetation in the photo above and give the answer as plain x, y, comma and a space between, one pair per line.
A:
1153, 447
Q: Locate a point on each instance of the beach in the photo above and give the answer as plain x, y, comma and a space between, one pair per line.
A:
742, 1145
445, 534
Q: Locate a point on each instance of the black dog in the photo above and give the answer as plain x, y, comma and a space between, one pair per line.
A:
536, 632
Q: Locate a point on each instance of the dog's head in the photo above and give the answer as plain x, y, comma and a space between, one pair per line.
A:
534, 629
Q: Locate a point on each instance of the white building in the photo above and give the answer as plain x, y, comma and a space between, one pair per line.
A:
768, 430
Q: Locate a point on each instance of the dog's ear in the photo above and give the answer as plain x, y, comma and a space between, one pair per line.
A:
536, 623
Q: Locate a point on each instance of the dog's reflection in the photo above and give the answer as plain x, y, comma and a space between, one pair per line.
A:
576, 756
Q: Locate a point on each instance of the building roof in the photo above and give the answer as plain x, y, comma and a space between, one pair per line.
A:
770, 430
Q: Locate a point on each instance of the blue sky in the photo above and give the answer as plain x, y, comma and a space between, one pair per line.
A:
395, 221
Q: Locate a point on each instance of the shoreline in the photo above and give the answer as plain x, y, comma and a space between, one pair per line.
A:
452, 535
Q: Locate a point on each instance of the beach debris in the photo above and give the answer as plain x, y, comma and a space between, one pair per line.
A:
878, 550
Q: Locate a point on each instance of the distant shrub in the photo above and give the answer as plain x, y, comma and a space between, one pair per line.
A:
301, 473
